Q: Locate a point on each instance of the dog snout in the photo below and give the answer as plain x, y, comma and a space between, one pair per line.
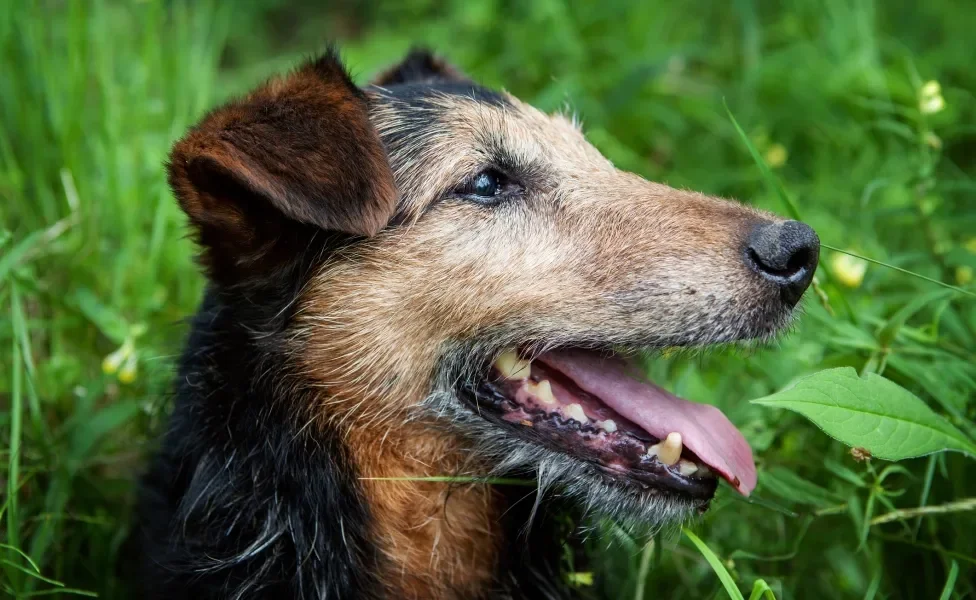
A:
784, 254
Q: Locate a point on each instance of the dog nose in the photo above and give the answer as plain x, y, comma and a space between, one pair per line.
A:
785, 254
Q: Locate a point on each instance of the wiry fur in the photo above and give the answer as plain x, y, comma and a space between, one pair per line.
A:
356, 293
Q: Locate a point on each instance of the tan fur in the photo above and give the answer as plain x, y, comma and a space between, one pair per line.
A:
441, 539
591, 249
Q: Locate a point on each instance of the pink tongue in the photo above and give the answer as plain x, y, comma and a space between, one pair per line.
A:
703, 428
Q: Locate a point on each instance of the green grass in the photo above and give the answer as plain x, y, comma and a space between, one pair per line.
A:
96, 273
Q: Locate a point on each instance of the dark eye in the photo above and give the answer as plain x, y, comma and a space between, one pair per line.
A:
486, 184
488, 187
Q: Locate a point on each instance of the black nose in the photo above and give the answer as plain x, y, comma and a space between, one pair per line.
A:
786, 254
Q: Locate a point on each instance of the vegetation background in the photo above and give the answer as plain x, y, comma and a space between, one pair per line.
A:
864, 110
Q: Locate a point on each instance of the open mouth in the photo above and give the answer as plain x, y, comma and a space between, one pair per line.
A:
599, 409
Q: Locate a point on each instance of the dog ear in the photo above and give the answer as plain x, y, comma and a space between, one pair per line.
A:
420, 66
296, 156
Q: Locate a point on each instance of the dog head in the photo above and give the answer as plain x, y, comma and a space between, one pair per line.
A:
493, 275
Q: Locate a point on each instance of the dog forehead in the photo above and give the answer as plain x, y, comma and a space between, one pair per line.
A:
437, 135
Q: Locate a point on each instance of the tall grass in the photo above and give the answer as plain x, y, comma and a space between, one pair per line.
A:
96, 274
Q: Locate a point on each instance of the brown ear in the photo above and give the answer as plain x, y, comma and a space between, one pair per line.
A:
297, 154
420, 66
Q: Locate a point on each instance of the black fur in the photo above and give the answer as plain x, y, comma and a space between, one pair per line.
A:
242, 501
420, 66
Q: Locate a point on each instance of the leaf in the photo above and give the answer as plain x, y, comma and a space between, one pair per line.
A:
112, 324
760, 589
870, 412
790, 486
717, 566
888, 332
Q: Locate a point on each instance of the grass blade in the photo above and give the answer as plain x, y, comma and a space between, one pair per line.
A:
963, 505
13, 460
771, 181
458, 479
644, 569
901, 270
723, 574
950, 581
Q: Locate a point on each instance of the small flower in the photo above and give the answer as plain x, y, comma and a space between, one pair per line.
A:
113, 361
964, 275
580, 578
931, 88
127, 374
933, 141
930, 100
776, 155
848, 269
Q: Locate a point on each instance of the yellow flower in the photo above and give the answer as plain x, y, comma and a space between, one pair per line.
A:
931, 88
580, 578
113, 361
128, 372
933, 141
964, 275
930, 100
776, 155
848, 269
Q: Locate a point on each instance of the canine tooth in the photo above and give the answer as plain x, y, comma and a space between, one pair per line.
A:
670, 449
543, 391
575, 411
512, 367
686, 467
609, 425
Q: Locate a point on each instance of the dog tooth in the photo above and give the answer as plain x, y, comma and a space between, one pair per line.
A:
542, 391
575, 411
512, 367
609, 426
686, 467
670, 449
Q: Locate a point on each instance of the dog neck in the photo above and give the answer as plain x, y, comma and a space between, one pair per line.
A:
441, 539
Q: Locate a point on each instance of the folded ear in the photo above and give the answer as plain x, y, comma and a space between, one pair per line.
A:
420, 66
295, 156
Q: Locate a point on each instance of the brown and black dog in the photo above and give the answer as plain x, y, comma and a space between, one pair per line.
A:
427, 279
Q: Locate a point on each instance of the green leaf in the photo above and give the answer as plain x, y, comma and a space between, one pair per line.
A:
760, 589
717, 566
112, 324
790, 486
870, 412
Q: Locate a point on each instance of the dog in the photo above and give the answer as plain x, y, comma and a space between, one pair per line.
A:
422, 294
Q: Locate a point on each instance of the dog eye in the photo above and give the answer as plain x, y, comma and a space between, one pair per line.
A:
488, 187
486, 184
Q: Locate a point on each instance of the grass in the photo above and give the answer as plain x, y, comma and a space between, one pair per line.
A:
96, 273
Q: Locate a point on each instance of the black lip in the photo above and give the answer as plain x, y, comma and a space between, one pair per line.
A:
489, 400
